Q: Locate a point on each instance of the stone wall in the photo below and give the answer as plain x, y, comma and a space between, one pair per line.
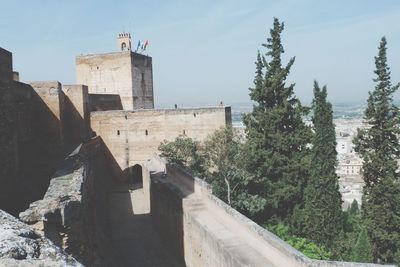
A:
32, 127
77, 114
47, 123
166, 208
8, 136
39, 123
202, 230
72, 213
142, 81
50, 111
41, 146
133, 136
104, 102
125, 73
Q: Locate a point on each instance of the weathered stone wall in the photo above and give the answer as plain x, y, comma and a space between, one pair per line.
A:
142, 79
33, 133
104, 102
41, 145
77, 114
50, 111
123, 73
23, 95
166, 208
202, 230
72, 212
27, 133
133, 136
8, 135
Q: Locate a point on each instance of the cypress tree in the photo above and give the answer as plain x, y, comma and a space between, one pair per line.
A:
354, 210
276, 148
362, 251
322, 213
379, 147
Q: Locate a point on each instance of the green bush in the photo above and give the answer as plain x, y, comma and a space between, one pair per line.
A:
307, 247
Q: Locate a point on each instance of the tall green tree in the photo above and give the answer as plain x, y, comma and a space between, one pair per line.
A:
222, 151
379, 147
362, 251
322, 214
185, 152
276, 150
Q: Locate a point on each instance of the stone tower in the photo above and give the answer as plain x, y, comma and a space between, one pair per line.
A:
125, 74
124, 41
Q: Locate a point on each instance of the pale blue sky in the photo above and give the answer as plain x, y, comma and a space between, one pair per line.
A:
204, 51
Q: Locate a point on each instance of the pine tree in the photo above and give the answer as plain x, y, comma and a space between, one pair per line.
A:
379, 147
362, 251
322, 213
276, 148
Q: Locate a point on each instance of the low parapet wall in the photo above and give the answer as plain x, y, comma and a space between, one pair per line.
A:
72, 213
205, 231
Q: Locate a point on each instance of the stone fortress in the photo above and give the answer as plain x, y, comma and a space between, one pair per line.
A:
81, 172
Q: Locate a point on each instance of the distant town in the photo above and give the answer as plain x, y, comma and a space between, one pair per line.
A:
347, 119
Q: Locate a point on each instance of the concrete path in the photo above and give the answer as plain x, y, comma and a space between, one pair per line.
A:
133, 236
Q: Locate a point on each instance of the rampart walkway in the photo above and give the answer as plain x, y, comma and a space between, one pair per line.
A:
135, 240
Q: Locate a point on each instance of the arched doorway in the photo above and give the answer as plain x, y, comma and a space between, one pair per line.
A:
136, 175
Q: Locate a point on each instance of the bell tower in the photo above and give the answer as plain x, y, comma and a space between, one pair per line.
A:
124, 42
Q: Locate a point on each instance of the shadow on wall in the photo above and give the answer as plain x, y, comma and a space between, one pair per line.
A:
72, 213
76, 128
40, 149
103, 102
166, 202
44, 139
133, 175
135, 236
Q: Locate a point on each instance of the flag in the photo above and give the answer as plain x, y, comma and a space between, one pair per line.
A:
138, 45
146, 43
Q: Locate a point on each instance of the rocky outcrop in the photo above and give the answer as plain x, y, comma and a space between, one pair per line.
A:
58, 215
63, 196
20, 245
71, 213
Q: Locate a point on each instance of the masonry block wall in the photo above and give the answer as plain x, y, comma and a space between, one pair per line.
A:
72, 213
39, 122
8, 137
132, 137
123, 73
104, 102
142, 79
49, 102
77, 114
